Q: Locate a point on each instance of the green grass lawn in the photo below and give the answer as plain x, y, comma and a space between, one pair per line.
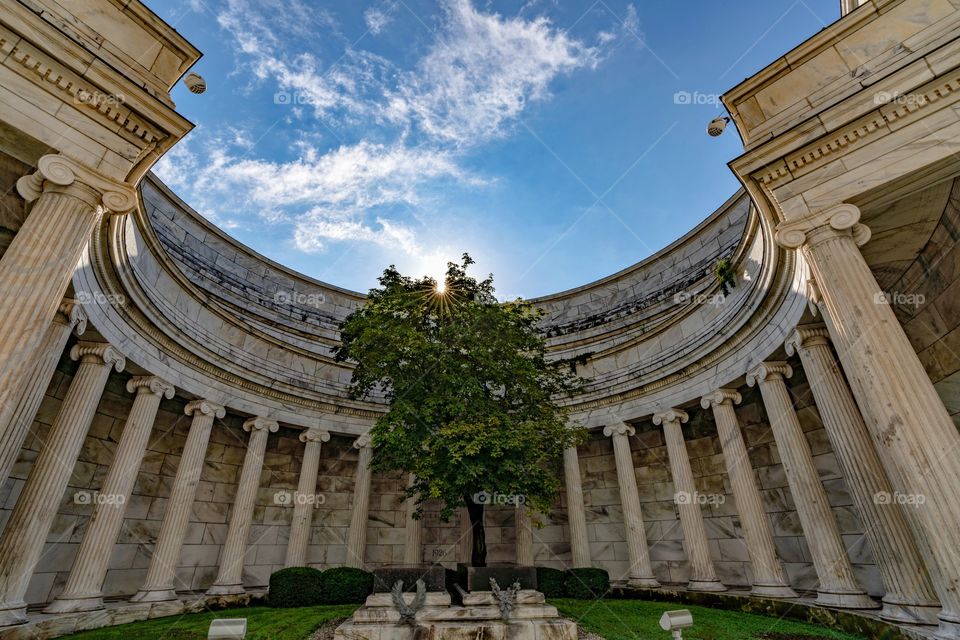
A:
612, 619
639, 620
263, 623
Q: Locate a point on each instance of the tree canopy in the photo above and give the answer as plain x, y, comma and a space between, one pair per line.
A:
471, 393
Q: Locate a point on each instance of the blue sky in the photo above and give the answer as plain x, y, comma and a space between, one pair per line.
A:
544, 137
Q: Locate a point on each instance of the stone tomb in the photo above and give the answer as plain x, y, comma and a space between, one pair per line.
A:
478, 618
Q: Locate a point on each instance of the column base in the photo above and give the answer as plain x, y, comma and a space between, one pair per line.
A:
776, 591
706, 585
643, 583
907, 613
846, 600
155, 595
949, 628
226, 590
11, 615
74, 604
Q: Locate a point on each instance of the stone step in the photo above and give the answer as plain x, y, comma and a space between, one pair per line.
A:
389, 615
434, 599
524, 596
559, 629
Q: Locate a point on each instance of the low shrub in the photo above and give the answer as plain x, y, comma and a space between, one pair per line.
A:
550, 582
346, 585
586, 583
295, 587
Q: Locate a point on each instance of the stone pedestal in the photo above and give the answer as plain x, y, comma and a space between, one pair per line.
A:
158, 586
357, 535
303, 500
479, 617
83, 589
230, 577
838, 587
769, 579
69, 317
641, 572
68, 200
26, 531
576, 511
909, 596
703, 575
912, 431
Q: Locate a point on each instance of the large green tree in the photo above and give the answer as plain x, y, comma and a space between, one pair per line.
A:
472, 397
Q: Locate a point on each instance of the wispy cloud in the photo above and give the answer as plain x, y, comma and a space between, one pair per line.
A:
377, 18
412, 127
483, 71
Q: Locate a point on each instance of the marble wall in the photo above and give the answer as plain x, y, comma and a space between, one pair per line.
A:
928, 304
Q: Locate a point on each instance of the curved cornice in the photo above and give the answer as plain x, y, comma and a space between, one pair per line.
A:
188, 303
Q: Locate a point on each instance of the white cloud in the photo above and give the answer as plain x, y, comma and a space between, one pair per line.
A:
473, 82
376, 19
328, 197
483, 71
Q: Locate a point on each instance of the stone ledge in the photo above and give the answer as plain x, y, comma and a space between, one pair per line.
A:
42, 626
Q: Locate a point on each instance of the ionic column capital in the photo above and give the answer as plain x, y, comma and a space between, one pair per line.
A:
807, 335
259, 423
98, 353
72, 315
314, 435
150, 384
670, 415
794, 234
205, 407
719, 397
363, 442
54, 170
622, 429
773, 370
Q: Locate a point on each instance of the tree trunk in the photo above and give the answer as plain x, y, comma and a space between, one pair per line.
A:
478, 556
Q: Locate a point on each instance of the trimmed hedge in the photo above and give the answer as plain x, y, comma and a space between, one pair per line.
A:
345, 585
550, 582
586, 583
295, 587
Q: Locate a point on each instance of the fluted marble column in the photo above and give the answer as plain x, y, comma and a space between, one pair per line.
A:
68, 200
83, 589
303, 500
159, 585
357, 536
465, 541
641, 572
769, 578
909, 597
413, 535
838, 587
703, 575
524, 525
230, 577
26, 531
576, 511
69, 317
914, 435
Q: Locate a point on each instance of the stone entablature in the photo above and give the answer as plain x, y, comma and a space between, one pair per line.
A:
102, 101
217, 318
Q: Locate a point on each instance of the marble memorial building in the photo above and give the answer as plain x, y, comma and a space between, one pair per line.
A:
172, 419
